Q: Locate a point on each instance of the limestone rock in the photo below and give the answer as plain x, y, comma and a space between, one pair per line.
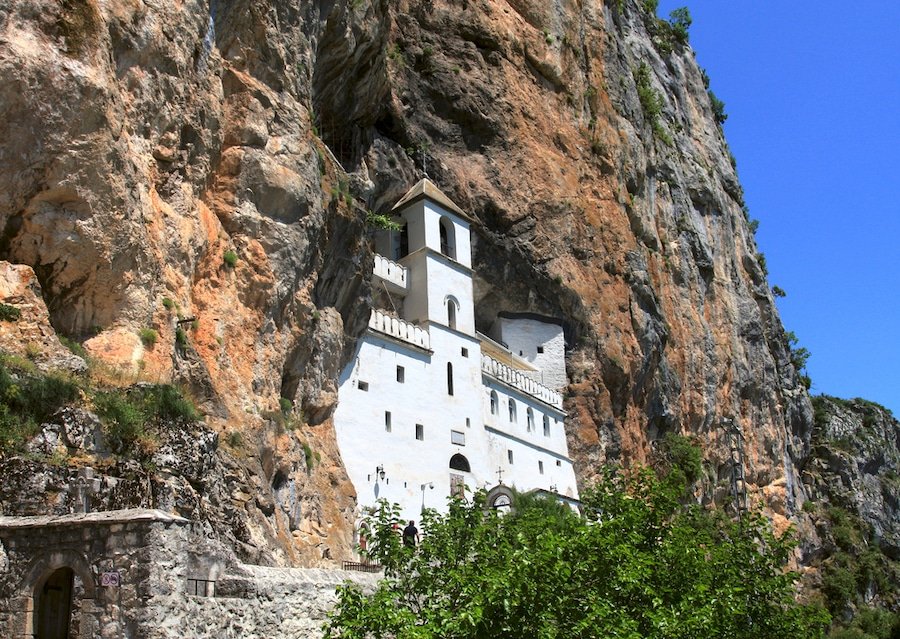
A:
144, 142
855, 464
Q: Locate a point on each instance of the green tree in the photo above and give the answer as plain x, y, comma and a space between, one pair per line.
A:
680, 21
638, 564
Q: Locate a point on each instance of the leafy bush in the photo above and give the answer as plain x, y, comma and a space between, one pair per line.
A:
680, 21
148, 337
651, 102
168, 303
309, 457
9, 313
718, 108
230, 258
638, 564
73, 346
381, 221
132, 417
28, 398
682, 458
838, 583
181, 338
235, 439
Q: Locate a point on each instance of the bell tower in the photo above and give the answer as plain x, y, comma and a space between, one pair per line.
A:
434, 244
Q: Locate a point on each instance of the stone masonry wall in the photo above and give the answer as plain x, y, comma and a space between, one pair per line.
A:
160, 562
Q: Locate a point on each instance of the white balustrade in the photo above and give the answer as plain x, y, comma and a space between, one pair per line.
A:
518, 379
390, 271
395, 327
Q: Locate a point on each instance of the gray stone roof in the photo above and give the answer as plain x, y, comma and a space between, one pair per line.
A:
97, 518
425, 188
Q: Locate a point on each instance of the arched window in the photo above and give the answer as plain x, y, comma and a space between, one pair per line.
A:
401, 247
530, 416
449, 378
448, 238
452, 307
512, 411
459, 462
495, 403
546, 426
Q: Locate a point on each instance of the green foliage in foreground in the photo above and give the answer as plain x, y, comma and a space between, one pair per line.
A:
639, 564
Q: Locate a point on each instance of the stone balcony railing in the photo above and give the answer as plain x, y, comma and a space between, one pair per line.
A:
390, 272
519, 380
395, 327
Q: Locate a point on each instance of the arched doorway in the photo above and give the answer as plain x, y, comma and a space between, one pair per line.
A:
53, 605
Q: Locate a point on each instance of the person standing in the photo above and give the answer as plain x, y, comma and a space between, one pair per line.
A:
411, 535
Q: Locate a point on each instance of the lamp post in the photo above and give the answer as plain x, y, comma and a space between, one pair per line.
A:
422, 488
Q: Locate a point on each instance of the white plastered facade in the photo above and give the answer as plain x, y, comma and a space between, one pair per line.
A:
397, 412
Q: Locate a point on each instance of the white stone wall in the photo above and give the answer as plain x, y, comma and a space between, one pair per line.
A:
523, 336
528, 446
257, 603
422, 398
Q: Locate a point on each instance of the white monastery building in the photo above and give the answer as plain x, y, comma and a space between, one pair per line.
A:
430, 407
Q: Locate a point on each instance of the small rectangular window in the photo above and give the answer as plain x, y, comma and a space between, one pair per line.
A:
558, 463
420, 432
363, 386
401, 374
540, 349
541, 467
457, 437
468, 423
464, 351
387, 421
509, 455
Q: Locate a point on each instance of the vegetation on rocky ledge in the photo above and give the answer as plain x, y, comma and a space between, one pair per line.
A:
30, 397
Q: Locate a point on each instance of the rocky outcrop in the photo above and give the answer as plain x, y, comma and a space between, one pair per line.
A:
855, 465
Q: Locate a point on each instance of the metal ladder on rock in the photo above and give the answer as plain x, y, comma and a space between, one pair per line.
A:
736, 452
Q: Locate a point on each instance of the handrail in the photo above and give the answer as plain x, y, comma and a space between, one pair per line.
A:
402, 330
519, 380
390, 271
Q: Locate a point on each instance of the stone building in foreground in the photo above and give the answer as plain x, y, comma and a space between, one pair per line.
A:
145, 574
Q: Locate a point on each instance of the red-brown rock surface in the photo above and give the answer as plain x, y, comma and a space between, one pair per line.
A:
141, 141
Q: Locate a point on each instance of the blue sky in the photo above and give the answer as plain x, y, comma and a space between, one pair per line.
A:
812, 93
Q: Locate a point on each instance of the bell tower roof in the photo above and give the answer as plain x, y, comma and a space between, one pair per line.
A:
425, 188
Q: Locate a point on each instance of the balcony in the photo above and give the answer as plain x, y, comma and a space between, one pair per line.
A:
404, 331
393, 275
519, 380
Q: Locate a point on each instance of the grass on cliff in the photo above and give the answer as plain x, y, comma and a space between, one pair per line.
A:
131, 417
28, 398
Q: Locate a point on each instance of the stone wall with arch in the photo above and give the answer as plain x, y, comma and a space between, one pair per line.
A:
146, 574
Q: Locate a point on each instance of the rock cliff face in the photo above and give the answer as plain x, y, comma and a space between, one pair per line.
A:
856, 465
211, 161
